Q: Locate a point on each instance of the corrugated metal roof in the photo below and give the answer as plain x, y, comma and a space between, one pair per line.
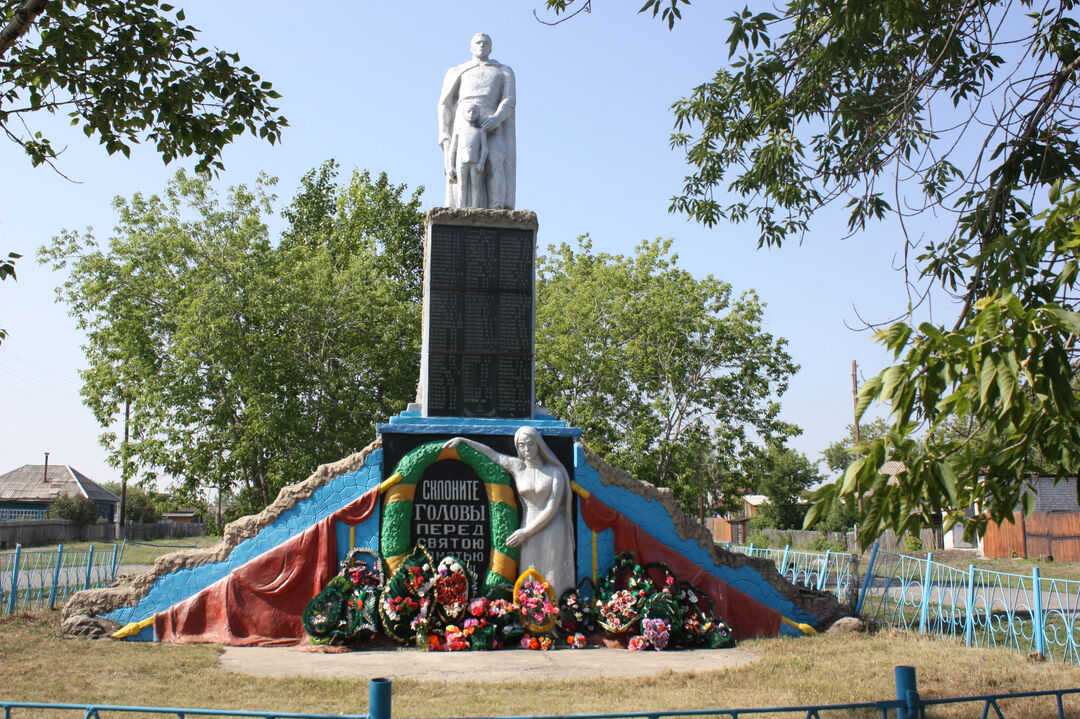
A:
28, 483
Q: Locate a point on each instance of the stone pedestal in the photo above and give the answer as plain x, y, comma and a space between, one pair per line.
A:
479, 313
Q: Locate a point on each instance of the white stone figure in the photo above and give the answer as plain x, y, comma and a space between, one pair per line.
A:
488, 86
466, 158
546, 536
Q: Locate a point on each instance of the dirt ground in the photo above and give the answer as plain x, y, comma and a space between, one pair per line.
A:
501, 666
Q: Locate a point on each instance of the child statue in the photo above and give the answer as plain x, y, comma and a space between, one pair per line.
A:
466, 158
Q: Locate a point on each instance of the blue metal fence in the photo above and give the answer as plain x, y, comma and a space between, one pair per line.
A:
1025, 613
36, 579
826, 571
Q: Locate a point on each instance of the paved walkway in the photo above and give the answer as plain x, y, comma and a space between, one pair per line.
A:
499, 666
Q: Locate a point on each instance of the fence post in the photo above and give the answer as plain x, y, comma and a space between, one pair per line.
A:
824, 570
14, 580
379, 698
924, 606
120, 556
56, 576
784, 559
969, 620
907, 693
1038, 631
866, 582
89, 565
112, 561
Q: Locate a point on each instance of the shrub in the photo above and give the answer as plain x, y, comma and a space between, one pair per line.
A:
912, 543
824, 544
140, 505
759, 539
80, 510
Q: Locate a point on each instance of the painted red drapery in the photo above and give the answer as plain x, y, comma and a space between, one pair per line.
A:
262, 602
746, 616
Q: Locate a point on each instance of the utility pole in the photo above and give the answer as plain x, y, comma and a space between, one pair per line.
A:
121, 524
855, 414
855, 397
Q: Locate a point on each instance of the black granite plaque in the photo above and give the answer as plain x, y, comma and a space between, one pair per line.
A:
444, 385
514, 377
450, 515
447, 320
479, 336
479, 378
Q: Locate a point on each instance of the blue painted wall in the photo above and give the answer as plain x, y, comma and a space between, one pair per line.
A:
324, 501
654, 519
339, 492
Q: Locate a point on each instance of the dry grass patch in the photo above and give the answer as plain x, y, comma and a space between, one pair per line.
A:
41, 666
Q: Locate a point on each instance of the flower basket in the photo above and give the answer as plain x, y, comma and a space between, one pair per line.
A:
453, 589
535, 602
620, 613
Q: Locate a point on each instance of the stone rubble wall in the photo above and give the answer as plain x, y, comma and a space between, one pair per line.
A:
94, 603
822, 605
85, 611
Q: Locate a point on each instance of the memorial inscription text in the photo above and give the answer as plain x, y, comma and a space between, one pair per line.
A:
480, 322
450, 515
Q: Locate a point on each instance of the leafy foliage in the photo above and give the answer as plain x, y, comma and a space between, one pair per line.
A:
247, 365
782, 475
1007, 371
964, 112
670, 376
126, 72
80, 510
839, 454
140, 506
7, 269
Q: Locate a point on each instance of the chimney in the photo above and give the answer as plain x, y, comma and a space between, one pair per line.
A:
45, 477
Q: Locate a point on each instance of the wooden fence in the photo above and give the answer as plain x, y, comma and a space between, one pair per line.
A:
32, 532
1042, 534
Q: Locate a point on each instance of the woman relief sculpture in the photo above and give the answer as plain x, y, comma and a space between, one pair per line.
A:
546, 535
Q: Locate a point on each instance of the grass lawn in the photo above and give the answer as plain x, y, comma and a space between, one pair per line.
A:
142, 552
39, 665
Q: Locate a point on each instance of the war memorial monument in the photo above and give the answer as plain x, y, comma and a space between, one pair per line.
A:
475, 520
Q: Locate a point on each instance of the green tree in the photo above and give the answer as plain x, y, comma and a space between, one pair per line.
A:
782, 475
125, 72
963, 113
80, 510
7, 269
669, 376
247, 364
141, 507
839, 455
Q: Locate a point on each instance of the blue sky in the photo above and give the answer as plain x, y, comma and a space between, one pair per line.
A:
360, 82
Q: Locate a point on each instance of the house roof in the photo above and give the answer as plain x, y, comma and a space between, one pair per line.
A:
891, 469
28, 483
755, 500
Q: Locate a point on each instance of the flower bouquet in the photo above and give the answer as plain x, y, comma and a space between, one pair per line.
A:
621, 612
576, 613
535, 602
452, 589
